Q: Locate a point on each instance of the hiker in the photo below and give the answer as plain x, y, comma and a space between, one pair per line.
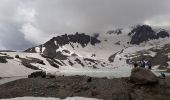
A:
135, 65
142, 64
146, 62
163, 75
149, 65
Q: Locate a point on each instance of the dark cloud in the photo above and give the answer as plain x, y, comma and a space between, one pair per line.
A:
24, 23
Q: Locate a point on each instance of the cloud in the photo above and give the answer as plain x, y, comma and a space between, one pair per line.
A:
32, 34
96, 15
10, 23
159, 21
25, 23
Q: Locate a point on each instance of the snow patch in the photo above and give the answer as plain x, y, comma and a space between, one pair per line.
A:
14, 68
37, 49
43, 48
55, 42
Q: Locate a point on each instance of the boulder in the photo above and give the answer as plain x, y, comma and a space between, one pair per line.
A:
37, 74
50, 75
143, 76
162, 34
3, 60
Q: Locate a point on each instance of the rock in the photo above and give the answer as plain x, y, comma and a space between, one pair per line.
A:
163, 34
117, 31
93, 93
16, 56
41, 62
3, 60
141, 34
143, 76
89, 79
50, 76
29, 65
85, 88
37, 74
77, 91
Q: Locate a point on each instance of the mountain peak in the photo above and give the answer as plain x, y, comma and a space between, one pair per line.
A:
143, 33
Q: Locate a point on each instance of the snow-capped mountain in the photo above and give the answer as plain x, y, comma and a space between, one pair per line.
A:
112, 51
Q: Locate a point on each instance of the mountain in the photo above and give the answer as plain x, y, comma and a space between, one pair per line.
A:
50, 47
110, 54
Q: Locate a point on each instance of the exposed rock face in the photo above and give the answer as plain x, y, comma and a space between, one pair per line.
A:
80, 38
163, 34
30, 50
117, 31
27, 62
112, 57
52, 63
141, 34
143, 76
145, 33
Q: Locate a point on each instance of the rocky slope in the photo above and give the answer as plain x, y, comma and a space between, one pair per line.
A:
102, 88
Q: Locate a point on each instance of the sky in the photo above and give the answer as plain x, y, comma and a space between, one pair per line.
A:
26, 23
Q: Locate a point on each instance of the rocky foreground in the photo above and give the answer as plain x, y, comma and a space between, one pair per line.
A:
151, 88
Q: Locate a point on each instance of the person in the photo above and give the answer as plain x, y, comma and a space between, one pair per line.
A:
142, 64
149, 65
135, 65
146, 62
163, 75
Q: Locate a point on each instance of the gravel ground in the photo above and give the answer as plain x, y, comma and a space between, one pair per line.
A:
101, 88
